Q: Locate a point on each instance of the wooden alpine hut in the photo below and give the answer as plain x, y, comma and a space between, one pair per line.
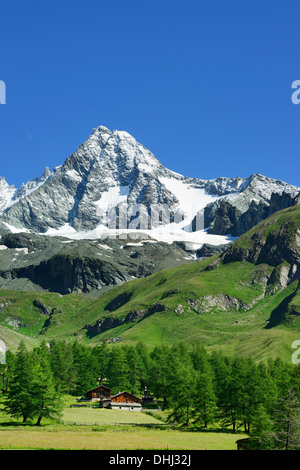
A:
99, 393
125, 401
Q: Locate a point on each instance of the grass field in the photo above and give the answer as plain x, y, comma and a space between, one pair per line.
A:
106, 435
107, 417
115, 439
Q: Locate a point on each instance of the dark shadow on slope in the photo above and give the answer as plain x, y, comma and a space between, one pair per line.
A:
119, 301
131, 319
277, 316
64, 273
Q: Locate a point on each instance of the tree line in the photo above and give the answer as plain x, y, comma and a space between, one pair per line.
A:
197, 389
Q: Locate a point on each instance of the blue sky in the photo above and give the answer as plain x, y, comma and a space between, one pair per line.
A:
205, 85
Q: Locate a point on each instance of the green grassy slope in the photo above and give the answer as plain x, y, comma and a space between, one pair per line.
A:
12, 339
246, 301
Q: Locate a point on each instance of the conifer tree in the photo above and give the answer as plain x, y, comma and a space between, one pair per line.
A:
62, 365
205, 401
231, 396
136, 369
19, 401
85, 368
117, 370
261, 430
45, 398
6, 370
181, 382
159, 379
286, 421
100, 359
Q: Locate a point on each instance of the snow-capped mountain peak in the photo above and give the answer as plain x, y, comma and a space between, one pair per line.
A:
111, 168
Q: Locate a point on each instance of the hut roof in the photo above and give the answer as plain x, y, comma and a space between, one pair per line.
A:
122, 393
100, 386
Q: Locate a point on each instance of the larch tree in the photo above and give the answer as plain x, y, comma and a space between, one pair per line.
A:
19, 401
45, 398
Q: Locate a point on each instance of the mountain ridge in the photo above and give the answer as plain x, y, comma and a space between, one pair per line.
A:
110, 169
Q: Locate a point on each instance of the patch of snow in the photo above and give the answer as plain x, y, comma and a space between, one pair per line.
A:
191, 199
111, 198
135, 244
105, 247
101, 254
65, 230
16, 230
73, 175
166, 233
25, 250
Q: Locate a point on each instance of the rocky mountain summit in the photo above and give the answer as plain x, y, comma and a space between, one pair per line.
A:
111, 170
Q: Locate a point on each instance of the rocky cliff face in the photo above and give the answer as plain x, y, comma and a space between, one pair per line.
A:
237, 215
275, 242
105, 324
41, 263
